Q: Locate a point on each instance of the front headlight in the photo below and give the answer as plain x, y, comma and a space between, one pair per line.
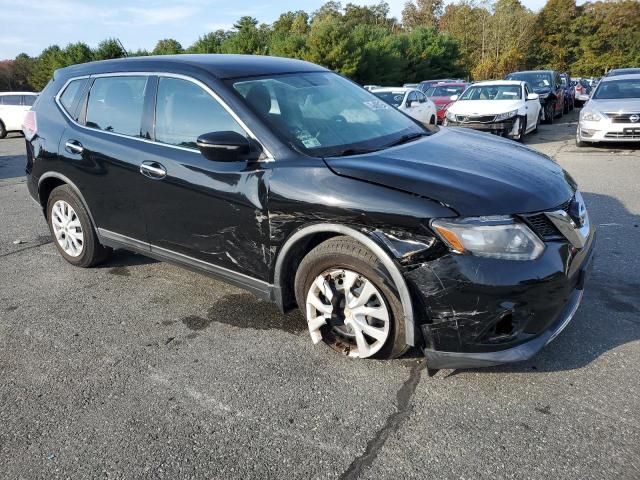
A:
590, 116
494, 237
450, 116
505, 116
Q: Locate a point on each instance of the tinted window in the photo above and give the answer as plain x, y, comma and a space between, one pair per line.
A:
70, 93
184, 111
29, 100
538, 80
445, 91
421, 97
11, 100
618, 89
116, 104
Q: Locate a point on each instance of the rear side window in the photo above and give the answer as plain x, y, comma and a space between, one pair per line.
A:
70, 94
116, 104
29, 100
184, 111
11, 100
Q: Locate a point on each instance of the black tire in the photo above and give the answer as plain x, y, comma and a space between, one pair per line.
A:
549, 113
3, 130
433, 121
93, 252
522, 129
535, 130
345, 252
565, 107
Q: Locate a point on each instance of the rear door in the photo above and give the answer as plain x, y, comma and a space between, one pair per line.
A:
103, 148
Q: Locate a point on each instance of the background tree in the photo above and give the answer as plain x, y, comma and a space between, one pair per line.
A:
167, 46
109, 48
422, 13
209, 43
48, 62
77, 53
554, 41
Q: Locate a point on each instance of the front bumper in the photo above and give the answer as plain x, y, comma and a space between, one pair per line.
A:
606, 131
506, 128
479, 312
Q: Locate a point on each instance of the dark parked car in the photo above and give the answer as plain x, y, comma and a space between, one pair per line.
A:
548, 85
288, 180
569, 92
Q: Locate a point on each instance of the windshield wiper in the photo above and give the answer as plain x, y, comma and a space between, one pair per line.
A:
407, 138
354, 151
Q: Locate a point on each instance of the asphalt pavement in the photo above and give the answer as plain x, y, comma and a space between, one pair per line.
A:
140, 369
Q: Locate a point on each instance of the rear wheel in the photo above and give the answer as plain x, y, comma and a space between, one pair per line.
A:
3, 130
71, 229
342, 289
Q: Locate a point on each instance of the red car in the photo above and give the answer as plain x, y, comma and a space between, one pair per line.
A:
441, 94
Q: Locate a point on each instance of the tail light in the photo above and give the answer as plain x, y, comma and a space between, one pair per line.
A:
30, 125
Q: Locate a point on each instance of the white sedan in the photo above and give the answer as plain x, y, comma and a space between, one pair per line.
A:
503, 107
410, 101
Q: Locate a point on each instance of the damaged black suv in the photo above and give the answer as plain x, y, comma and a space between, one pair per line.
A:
290, 181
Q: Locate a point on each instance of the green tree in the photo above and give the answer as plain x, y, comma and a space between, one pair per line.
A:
167, 46
48, 62
554, 42
108, 49
209, 43
247, 38
422, 13
288, 36
77, 53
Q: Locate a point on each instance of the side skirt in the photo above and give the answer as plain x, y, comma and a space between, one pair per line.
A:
260, 288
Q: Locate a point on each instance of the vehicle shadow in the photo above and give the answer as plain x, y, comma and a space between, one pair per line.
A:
609, 316
123, 259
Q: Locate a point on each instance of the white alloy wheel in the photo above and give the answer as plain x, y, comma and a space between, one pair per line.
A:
67, 228
352, 307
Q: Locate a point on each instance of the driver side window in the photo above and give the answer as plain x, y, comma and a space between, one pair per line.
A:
184, 111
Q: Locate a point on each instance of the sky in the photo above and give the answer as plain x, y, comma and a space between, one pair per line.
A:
31, 26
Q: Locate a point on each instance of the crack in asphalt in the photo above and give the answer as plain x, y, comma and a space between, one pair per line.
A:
391, 425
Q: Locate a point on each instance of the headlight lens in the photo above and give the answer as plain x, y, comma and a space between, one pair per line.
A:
505, 116
590, 116
450, 116
494, 237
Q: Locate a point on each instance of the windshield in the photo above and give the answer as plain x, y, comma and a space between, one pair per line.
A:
445, 91
492, 92
618, 89
323, 114
537, 80
623, 71
392, 98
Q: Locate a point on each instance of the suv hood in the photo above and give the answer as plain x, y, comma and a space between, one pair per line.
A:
474, 173
484, 107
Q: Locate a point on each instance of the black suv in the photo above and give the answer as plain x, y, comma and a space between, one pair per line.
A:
548, 85
288, 180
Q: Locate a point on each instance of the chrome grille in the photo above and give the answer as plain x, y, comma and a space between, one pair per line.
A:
628, 133
623, 117
541, 224
475, 118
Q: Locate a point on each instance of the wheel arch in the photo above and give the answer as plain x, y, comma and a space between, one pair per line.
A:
51, 180
303, 240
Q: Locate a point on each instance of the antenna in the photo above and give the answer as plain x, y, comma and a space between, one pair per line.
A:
124, 51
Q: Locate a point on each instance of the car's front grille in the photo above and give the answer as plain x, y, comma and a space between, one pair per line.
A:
628, 134
475, 118
623, 117
541, 224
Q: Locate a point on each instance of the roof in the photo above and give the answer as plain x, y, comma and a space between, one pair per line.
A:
498, 82
220, 66
18, 93
452, 83
628, 76
532, 71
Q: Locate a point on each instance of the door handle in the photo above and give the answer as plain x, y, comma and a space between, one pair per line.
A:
73, 146
153, 170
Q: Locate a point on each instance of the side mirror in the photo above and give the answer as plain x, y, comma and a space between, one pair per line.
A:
409, 103
224, 146
454, 98
533, 96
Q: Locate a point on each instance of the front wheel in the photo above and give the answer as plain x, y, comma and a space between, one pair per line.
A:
433, 121
579, 142
549, 113
71, 229
3, 130
342, 290
521, 130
